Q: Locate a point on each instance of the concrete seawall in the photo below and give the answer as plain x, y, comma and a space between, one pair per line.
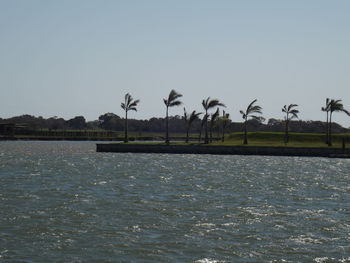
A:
231, 150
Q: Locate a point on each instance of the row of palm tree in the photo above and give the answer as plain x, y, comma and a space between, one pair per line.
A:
208, 121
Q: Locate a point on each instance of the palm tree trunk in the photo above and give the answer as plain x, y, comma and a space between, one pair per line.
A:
200, 135
211, 133
188, 129
206, 141
327, 129
286, 139
330, 130
167, 126
245, 132
223, 133
126, 127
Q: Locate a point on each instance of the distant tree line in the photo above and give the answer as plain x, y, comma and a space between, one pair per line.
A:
52, 123
177, 124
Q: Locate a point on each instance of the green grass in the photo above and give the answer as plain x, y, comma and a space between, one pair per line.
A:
275, 139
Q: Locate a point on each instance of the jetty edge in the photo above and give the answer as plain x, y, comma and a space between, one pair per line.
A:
223, 150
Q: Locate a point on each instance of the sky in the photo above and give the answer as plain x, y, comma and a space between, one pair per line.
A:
80, 57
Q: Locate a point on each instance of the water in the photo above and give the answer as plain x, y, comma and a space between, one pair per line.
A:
62, 202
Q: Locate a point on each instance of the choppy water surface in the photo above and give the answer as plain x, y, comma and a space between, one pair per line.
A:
62, 202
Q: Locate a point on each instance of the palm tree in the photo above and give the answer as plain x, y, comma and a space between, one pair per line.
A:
225, 121
128, 104
203, 121
207, 105
170, 102
248, 113
326, 109
291, 113
213, 119
189, 120
334, 106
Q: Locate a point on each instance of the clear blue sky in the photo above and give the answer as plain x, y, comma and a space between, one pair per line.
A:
67, 58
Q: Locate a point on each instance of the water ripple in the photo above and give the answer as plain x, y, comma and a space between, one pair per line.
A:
62, 202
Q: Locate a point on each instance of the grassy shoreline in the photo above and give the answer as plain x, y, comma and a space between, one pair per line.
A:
270, 139
255, 139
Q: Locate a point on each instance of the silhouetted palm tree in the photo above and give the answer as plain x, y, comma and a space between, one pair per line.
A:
171, 101
251, 109
128, 104
213, 118
207, 105
327, 109
291, 113
189, 120
203, 122
335, 106
225, 121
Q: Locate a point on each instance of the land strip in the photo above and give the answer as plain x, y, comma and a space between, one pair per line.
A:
228, 150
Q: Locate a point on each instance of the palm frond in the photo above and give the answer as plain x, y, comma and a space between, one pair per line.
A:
346, 111
294, 116
185, 115
295, 111
336, 105
215, 102
174, 95
244, 115
134, 103
128, 99
205, 103
284, 109
194, 116
208, 103
175, 103
255, 109
250, 105
291, 106
328, 105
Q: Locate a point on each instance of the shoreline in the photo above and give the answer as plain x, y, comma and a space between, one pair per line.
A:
224, 150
